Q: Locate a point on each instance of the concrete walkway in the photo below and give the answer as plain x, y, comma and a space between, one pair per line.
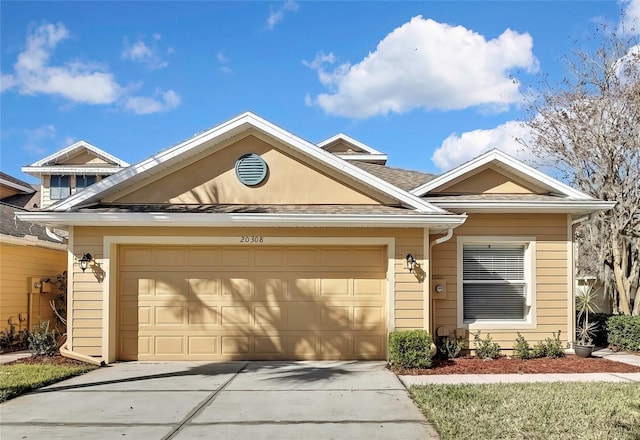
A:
626, 358
5, 358
234, 400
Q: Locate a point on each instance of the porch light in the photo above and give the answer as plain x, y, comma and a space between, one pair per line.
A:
85, 260
411, 262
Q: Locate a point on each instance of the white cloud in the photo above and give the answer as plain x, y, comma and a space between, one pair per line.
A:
631, 18
147, 54
457, 149
79, 82
223, 63
76, 81
161, 102
277, 15
426, 64
35, 137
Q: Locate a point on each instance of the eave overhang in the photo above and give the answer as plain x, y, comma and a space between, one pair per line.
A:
537, 207
66, 169
436, 223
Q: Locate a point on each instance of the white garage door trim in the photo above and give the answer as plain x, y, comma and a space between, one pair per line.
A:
110, 246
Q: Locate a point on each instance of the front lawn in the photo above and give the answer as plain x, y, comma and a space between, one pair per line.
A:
18, 378
564, 410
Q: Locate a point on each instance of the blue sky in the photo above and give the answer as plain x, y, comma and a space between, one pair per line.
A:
429, 83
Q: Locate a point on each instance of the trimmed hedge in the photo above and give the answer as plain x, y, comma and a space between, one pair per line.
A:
624, 332
410, 349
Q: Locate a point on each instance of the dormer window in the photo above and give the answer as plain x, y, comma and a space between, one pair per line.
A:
60, 187
84, 181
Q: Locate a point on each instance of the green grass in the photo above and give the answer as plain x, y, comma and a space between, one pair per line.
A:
532, 410
16, 379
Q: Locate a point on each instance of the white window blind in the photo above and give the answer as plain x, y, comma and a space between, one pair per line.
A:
494, 285
60, 187
82, 181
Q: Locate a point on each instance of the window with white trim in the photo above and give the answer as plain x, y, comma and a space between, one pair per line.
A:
496, 282
60, 187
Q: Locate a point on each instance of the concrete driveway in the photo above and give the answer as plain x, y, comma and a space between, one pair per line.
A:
233, 400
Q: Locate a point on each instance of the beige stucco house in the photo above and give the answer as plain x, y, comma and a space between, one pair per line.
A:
249, 242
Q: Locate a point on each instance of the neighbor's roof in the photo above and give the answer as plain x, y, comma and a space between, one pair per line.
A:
26, 232
15, 183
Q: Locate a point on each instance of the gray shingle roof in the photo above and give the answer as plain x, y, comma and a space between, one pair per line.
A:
10, 225
403, 179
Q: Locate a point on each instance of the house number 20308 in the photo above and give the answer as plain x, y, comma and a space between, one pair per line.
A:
252, 239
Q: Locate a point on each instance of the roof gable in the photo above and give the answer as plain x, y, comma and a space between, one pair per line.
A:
216, 137
348, 148
489, 180
211, 178
79, 158
520, 174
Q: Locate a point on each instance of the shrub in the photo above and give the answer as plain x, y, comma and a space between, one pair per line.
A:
521, 349
551, 348
451, 347
410, 349
600, 332
485, 348
42, 341
624, 332
12, 340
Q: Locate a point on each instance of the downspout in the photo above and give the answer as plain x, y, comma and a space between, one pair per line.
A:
432, 243
79, 356
53, 235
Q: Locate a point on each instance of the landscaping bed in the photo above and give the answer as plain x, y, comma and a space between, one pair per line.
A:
508, 365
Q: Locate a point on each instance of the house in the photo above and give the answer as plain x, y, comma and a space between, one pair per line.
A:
249, 242
72, 169
30, 258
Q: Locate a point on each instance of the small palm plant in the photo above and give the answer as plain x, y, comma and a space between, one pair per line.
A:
585, 303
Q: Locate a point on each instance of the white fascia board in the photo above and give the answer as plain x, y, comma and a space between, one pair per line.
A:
363, 157
505, 160
224, 131
79, 145
349, 140
70, 170
14, 185
561, 206
152, 219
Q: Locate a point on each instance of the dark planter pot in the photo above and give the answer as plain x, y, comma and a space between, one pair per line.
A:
583, 351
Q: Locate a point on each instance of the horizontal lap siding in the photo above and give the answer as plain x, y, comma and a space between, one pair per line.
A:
17, 265
87, 288
551, 284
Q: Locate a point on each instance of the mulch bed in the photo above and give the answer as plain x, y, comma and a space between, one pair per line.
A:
506, 365
50, 360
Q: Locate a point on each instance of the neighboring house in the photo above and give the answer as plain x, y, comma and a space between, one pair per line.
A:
248, 242
72, 169
28, 257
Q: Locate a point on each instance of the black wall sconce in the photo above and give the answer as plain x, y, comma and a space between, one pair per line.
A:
85, 260
411, 262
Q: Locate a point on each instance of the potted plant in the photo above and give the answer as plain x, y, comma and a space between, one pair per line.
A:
585, 304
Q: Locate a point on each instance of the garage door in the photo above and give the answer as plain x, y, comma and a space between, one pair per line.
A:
223, 303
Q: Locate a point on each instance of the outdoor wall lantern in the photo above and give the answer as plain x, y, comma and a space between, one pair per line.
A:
411, 262
85, 260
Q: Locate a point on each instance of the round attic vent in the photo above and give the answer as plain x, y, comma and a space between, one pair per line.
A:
251, 169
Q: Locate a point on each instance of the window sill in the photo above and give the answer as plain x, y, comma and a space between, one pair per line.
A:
498, 325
